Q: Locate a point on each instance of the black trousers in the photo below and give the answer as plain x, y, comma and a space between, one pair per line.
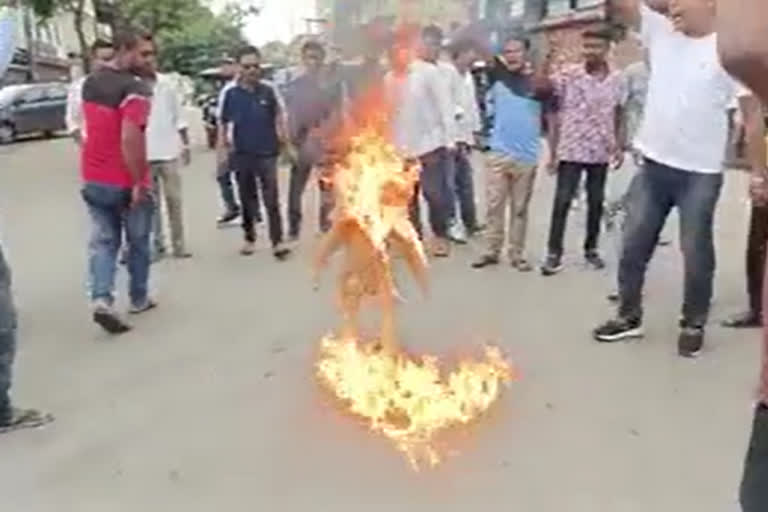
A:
756, 247
250, 169
568, 179
754, 485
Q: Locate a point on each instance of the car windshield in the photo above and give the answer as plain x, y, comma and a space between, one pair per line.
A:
10, 93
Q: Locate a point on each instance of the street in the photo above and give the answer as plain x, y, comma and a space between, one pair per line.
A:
211, 403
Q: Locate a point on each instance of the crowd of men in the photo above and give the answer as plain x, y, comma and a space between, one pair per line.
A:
662, 123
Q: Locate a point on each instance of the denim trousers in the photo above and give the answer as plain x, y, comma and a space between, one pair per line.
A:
112, 215
655, 190
7, 337
462, 186
436, 172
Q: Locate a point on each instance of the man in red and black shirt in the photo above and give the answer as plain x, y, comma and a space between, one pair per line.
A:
116, 179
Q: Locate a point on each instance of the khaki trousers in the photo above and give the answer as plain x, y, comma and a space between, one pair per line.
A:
509, 183
167, 183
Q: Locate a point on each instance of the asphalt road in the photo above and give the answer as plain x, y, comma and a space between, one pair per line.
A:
210, 404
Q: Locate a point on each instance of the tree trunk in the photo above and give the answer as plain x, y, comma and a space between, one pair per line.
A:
29, 35
85, 53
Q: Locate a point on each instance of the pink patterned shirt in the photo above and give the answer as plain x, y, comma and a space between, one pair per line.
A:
587, 106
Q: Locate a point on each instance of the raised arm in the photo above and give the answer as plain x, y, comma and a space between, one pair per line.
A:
743, 42
627, 12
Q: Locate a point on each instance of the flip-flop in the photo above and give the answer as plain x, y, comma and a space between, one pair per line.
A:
22, 419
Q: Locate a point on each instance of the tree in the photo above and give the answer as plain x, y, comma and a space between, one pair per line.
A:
277, 53
44, 9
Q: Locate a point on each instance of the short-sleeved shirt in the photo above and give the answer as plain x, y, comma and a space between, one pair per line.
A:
685, 124
110, 97
253, 114
517, 114
587, 110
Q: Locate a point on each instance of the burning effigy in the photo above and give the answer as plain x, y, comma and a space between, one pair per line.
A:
410, 400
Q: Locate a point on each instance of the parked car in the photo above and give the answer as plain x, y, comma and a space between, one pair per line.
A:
32, 108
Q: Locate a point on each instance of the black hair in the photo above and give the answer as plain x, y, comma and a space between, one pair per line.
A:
315, 46
101, 44
127, 38
432, 32
598, 33
520, 37
461, 46
247, 50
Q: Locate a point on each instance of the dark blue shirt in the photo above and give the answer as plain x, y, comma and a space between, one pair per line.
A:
253, 114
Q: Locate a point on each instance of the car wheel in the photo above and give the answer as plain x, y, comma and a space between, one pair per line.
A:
48, 134
7, 133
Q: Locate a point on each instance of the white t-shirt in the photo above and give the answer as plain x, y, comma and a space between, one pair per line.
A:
685, 123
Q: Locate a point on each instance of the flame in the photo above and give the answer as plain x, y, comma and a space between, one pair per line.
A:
407, 400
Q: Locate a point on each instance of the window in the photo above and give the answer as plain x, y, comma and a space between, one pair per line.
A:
558, 7
34, 94
56, 92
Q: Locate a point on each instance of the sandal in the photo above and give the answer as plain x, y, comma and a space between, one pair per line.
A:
22, 419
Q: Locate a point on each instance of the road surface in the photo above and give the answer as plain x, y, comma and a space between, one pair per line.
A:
210, 404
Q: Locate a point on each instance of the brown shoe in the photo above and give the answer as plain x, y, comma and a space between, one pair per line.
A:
249, 248
441, 247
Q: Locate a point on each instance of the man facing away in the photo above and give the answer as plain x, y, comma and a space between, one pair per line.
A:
682, 138
116, 179
519, 107
11, 418
584, 140
254, 117
421, 130
743, 46
314, 101
102, 52
167, 143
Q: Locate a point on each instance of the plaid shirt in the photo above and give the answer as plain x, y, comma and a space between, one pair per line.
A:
587, 107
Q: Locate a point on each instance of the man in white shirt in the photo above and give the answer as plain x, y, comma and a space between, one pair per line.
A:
422, 130
101, 53
11, 418
467, 112
682, 138
167, 143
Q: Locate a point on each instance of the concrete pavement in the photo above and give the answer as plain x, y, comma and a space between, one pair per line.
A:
210, 404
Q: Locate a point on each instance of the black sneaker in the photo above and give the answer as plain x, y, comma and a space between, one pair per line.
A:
553, 265
690, 342
594, 260
618, 330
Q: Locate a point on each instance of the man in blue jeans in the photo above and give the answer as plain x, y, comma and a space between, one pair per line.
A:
682, 138
423, 130
116, 177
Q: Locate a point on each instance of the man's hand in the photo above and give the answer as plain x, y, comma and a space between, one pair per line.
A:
758, 188
617, 159
138, 195
186, 156
77, 136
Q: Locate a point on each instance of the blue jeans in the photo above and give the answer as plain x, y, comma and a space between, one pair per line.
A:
463, 186
111, 215
653, 193
436, 171
7, 337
